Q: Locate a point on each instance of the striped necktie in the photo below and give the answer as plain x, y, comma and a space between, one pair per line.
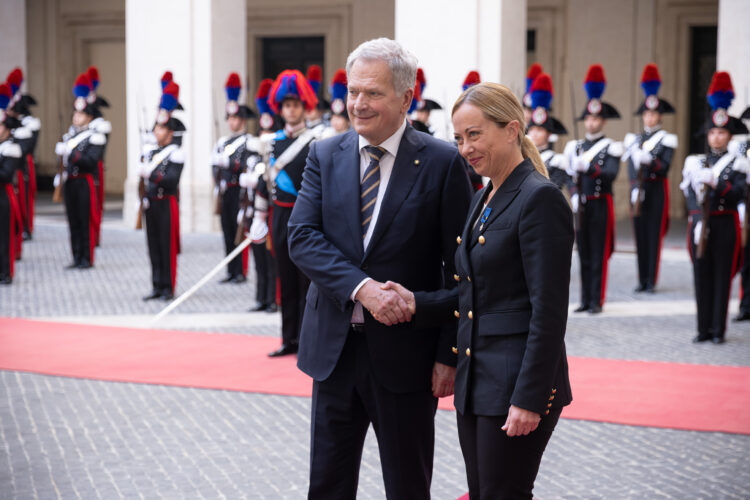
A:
368, 189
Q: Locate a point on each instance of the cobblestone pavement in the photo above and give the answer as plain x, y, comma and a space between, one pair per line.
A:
70, 438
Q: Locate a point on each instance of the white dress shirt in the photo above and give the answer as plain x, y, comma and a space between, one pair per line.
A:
386, 168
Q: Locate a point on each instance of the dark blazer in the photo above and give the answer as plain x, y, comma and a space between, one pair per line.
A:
413, 243
513, 277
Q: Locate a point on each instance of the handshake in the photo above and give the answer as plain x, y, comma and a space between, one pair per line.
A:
389, 303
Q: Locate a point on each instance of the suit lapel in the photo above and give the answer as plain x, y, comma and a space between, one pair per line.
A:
463, 247
403, 176
346, 175
505, 195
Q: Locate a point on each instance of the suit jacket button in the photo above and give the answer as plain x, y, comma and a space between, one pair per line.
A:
551, 397
468, 351
456, 314
471, 315
468, 278
455, 350
546, 412
554, 391
458, 240
549, 405
482, 240
457, 277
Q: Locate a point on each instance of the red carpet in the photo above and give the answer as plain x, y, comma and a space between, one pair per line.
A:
670, 395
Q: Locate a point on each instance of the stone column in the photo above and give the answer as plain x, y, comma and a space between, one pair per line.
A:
452, 38
13, 39
733, 49
201, 42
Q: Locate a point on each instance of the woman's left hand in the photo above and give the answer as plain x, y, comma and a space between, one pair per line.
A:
520, 422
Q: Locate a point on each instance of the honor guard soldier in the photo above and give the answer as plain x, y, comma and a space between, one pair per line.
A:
231, 156
648, 156
534, 71
10, 214
339, 116
316, 116
472, 78
290, 96
81, 150
543, 125
743, 149
594, 163
161, 168
424, 106
99, 124
26, 136
714, 184
266, 116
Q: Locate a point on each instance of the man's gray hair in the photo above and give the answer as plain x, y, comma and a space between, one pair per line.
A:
401, 62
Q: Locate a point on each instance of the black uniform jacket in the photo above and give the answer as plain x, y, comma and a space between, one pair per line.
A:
513, 276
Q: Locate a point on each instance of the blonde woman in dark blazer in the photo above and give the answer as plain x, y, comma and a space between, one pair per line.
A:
513, 273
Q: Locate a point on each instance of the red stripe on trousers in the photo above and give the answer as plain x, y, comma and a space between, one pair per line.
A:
245, 257
174, 238
15, 219
609, 244
32, 190
93, 216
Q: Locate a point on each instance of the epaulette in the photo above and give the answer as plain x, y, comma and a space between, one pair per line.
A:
741, 164
22, 133
12, 150
254, 144
629, 140
177, 156
670, 141
103, 127
570, 147
615, 149
98, 139
32, 123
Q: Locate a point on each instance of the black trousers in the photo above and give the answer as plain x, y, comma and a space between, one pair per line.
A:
293, 282
78, 192
593, 239
649, 229
713, 273
265, 270
230, 205
343, 406
499, 467
162, 243
7, 238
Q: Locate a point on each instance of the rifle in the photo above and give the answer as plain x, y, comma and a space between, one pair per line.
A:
217, 205
57, 196
141, 181
579, 177
640, 179
705, 208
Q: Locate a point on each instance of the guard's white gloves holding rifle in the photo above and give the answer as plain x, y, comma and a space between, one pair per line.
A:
580, 164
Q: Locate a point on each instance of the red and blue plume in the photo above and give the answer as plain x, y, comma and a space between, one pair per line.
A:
314, 77
421, 80
165, 79
93, 74
5, 95
291, 83
471, 79
720, 92
594, 82
261, 97
338, 85
417, 97
650, 79
233, 87
82, 86
170, 97
534, 71
541, 92
15, 79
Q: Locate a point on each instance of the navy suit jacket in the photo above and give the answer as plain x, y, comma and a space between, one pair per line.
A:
413, 243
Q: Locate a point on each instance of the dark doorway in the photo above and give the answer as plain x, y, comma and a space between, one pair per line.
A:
291, 53
702, 67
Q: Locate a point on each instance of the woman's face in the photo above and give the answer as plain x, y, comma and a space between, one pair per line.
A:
718, 138
482, 142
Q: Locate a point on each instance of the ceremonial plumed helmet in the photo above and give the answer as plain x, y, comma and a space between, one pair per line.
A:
5, 96
720, 96
594, 85
291, 84
534, 71
540, 95
81, 91
472, 78
339, 92
650, 84
232, 88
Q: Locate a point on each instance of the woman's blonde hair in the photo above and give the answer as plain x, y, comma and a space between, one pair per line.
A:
501, 106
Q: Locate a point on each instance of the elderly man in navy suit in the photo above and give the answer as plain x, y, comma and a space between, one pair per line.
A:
381, 202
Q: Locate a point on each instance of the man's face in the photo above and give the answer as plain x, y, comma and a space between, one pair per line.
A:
313, 115
236, 124
539, 136
375, 109
292, 111
651, 118
163, 135
339, 123
593, 124
423, 116
81, 119
718, 138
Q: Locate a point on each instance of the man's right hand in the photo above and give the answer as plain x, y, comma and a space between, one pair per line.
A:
385, 305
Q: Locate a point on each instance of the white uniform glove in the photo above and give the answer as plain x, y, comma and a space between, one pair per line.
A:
56, 181
146, 203
580, 164
640, 157
697, 232
144, 171
240, 216
741, 213
706, 176
220, 160
634, 196
61, 148
248, 180
259, 228
574, 200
